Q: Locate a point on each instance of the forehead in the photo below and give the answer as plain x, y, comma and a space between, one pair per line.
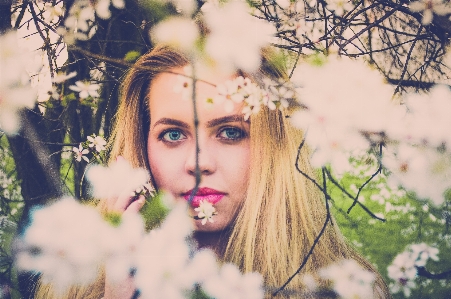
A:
167, 99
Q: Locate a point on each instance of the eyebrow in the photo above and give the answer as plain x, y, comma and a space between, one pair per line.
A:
211, 123
226, 119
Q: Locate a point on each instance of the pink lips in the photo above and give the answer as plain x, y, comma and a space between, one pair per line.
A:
208, 194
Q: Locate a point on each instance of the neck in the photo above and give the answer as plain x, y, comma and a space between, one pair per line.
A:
216, 241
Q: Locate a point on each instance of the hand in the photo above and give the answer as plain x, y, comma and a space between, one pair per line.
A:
122, 204
125, 203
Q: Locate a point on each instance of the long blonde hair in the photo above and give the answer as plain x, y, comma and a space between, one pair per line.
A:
283, 213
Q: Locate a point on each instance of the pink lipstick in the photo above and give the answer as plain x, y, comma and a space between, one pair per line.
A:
208, 194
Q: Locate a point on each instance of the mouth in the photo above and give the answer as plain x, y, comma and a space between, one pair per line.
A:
211, 195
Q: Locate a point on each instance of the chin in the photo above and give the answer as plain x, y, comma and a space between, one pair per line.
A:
209, 227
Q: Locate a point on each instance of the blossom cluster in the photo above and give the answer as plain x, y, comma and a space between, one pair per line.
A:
335, 115
94, 144
358, 111
350, 280
403, 269
80, 24
242, 91
67, 242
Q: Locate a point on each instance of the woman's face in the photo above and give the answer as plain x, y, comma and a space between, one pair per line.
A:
223, 142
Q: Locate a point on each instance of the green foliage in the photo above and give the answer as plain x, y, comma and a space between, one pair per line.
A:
317, 59
132, 56
11, 206
154, 211
408, 221
113, 218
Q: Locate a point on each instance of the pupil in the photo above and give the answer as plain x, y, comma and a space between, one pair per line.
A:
174, 135
232, 133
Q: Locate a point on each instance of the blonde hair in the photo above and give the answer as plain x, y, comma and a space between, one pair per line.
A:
283, 212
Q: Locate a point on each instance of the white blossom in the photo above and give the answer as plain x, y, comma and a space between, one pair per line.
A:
243, 91
97, 73
79, 25
230, 283
403, 266
425, 119
118, 178
184, 84
80, 152
423, 252
350, 280
60, 77
97, 141
236, 37
52, 13
205, 211
420, 169
341, 99
15, 90
164, 257
402, 285
121, 246
185, 7
102, 7
85, 89
180, 32
64, 243
339, 7
428, 8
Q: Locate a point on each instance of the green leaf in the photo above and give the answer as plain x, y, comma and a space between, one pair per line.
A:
113, 218
154, 211
132, 56
317, 59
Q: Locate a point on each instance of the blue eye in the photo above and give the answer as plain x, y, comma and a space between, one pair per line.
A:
172, 136
231, 134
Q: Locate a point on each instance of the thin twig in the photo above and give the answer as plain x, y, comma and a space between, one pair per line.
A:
315, 242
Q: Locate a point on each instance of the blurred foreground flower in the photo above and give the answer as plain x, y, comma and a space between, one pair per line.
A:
102, 7
425, 120
339, 7
340, 107
236, 37
421, 169
181, 33
429, 7
15, 90
118, 178
67, 243
350, 280
64, 244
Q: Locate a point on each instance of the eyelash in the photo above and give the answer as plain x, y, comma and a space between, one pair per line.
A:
162, 134
242, 134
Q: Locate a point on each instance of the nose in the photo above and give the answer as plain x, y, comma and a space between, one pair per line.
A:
207, 160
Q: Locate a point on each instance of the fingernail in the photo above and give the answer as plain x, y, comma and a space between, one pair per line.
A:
141, 200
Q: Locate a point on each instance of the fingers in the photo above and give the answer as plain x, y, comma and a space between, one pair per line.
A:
125, 202
135, 205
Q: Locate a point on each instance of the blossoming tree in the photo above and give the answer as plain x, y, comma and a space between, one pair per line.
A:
382, 122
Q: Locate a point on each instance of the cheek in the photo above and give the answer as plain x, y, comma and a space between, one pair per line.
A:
237, 164
164, 166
